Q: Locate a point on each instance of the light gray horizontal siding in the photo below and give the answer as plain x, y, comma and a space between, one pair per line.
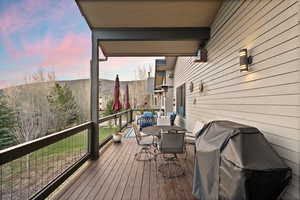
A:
268, 96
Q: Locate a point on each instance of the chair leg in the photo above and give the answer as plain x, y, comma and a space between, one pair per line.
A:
144, 152
171, 169
186, 152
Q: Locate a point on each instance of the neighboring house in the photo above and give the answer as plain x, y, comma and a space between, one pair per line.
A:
267, 96
163, 83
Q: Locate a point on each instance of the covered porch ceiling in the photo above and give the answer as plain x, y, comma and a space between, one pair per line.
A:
149, 27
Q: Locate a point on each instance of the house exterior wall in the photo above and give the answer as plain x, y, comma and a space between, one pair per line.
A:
268, 96
169, 94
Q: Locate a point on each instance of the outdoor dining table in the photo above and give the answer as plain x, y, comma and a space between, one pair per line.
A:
156, 130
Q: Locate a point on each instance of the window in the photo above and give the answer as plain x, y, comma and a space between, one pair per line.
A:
180, 100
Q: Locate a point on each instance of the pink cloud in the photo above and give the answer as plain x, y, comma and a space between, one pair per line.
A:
70, 51
4, 84
25, 15
21, 16
28, 13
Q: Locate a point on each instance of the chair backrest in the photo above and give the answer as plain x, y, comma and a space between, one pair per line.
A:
146, 121
159, 114
172, 141
171, 115
148, 114
197, 128
137, 133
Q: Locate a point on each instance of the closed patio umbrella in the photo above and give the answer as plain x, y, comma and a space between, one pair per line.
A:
127, 104
117, 104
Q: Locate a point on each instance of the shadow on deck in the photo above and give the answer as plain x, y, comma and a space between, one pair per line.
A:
116, 175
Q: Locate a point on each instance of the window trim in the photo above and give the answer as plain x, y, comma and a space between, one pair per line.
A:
181, 99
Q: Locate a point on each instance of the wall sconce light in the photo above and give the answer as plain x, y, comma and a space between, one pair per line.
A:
191, 87
194, 101
201, 55
164, 88
245, 60
201, 87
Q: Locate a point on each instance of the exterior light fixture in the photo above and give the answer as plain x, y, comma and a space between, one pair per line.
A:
245, 60
201, 87
165, 87
201, 55
191, 87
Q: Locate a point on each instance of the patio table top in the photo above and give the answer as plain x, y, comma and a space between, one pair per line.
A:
155, 130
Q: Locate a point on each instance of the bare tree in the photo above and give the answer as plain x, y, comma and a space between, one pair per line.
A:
139, 91
29, 101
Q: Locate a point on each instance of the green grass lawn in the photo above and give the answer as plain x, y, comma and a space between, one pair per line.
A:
64, 149
49, 160
105, 132
77, 141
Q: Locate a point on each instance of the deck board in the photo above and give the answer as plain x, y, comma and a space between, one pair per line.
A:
117, 175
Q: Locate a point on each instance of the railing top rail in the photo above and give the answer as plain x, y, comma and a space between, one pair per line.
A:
20, 150
150, 109
116, 115
113, 116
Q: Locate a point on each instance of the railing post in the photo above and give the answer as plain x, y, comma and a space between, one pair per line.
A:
120, 122
94, 107
131, 115
127, 117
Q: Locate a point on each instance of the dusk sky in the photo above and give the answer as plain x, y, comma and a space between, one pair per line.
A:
53, 36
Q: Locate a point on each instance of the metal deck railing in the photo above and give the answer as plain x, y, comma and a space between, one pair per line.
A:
34, 169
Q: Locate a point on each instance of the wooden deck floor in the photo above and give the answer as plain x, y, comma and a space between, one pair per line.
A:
116, 175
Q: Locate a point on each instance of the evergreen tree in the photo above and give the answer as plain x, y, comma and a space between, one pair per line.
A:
109, 108
110, 111
63, 106
7, 122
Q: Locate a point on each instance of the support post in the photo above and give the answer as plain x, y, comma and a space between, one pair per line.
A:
131, 115
94, 108
127, 118
120, 122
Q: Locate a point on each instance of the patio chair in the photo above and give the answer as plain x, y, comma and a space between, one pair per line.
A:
146, 142
190, 137
172, 117
171, 144
147, 119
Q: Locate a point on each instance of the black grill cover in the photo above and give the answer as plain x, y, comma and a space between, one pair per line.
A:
235, 162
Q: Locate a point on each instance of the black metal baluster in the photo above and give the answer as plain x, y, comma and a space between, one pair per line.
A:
61, 157
1, 177
64, 153
36, 173
21, 170
47, 166
71, 144
53, 163
73, 148
84, 143
28, 174
68, 150
80, 143
57, 163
